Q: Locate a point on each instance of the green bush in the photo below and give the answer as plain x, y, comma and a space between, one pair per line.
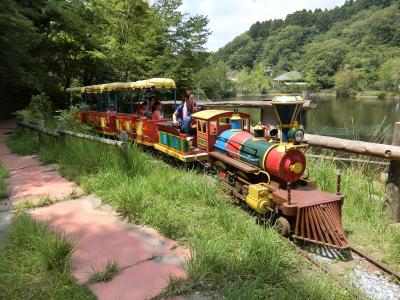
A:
69, 118
39, 108
382, 95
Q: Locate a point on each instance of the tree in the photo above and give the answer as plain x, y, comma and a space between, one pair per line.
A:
389, 75
346, 82
213, 80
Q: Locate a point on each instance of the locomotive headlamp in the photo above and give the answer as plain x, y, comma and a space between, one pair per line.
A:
299, 135
296, 135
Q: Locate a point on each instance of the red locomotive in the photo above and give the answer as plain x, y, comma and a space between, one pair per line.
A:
260, 169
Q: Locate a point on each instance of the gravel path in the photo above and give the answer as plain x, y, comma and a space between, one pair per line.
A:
375, 285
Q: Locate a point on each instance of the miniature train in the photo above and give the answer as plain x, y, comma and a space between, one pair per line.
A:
261, 170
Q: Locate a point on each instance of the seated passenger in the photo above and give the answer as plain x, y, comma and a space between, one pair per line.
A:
183, 115
156, 111
111, 112
146, 106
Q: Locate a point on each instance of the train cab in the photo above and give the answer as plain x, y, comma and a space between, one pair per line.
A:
211, 123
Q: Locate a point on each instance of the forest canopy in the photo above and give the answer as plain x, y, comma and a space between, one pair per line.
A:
49, 45
360, 36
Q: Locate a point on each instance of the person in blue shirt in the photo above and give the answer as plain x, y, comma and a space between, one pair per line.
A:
183, 114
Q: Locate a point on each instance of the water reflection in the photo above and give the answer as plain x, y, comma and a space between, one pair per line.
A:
364, 119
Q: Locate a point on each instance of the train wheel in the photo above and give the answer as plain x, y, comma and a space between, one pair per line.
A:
282, 226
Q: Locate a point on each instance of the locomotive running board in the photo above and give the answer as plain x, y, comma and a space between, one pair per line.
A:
317, 216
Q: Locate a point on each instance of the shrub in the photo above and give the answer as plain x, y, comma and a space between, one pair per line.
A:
346, 82
39, 107
69, 118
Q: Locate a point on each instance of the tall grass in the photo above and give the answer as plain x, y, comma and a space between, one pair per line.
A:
23, 141
3, 185
364, 218
234, 257
34, 263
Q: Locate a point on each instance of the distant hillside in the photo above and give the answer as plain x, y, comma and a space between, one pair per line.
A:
359, 40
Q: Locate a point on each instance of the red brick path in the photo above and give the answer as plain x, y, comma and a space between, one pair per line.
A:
147, 259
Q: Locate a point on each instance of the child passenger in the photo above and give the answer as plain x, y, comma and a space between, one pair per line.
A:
156, 111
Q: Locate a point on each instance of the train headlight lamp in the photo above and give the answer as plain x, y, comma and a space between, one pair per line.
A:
298, 135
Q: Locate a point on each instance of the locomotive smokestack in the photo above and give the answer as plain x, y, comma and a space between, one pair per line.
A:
287, 109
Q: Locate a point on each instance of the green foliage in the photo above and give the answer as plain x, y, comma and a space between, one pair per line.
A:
359, 35
3, 186
53, 44
39, 108
23, 142
214, 80
346, 82
389, 75
34, 263
69, 118
252, 81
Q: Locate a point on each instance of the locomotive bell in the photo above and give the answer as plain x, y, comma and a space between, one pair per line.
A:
287, 109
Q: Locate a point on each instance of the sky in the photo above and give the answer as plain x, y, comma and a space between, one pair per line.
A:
229, 18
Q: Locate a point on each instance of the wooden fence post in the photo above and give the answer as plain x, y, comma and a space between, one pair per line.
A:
393, 182
40, 124
125, 145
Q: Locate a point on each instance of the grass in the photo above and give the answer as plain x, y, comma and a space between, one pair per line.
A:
3, 185
29, 204
34, 263
234, 257
23, 141
111, 269
364, 218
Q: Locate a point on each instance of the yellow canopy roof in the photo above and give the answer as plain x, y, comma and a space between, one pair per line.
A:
158, 83
208, 114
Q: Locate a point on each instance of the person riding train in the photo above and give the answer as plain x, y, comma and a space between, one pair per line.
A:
182, 116
156, 112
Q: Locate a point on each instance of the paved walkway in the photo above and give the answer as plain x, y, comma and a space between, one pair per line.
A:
146, 258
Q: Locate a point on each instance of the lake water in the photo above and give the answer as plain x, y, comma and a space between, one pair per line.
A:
364, 119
